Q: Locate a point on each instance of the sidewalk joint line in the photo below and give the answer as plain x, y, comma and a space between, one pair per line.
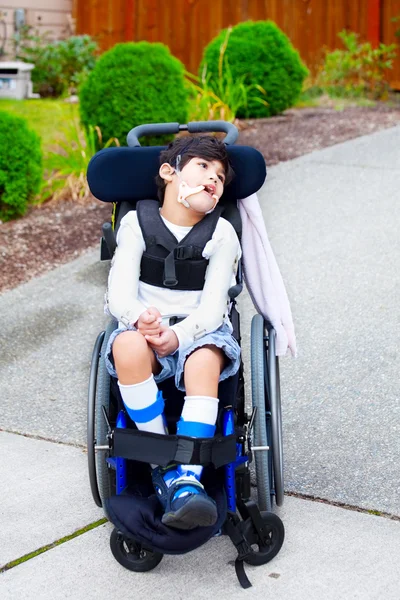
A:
67, 538
367, 511
43, 439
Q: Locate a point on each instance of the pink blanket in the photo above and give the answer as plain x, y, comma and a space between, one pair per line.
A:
262, 276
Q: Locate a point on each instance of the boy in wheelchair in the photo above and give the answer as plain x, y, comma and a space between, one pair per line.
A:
174, 315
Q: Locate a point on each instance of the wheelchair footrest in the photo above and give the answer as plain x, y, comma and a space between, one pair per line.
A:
163, 449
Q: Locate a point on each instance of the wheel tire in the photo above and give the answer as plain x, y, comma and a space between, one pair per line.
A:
104, 473
91, 409
265, 552
132, 555
274, 397
99, 395
261, 437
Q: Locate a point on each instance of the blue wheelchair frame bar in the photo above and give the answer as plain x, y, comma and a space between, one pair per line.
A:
121, 462
228, 427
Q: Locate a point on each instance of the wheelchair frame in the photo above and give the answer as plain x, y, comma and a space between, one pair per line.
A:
107, 471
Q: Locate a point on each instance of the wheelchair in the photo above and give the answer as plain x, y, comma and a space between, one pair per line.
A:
119, 455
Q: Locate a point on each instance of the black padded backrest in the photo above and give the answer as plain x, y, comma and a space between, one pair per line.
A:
128, 174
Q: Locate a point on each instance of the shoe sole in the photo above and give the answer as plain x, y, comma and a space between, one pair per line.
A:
197, 512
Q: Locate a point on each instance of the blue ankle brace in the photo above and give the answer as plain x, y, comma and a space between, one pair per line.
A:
194, 429
144, 415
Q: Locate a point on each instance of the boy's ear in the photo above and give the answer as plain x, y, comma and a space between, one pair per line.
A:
166, 172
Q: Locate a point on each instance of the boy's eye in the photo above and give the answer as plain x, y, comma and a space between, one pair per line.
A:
203, 164
222, 178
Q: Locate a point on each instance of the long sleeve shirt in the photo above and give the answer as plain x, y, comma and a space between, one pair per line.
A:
127, 297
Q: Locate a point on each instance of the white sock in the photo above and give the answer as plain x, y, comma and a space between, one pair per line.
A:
198, 409
141, 395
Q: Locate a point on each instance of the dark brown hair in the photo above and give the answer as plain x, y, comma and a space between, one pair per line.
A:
202, 146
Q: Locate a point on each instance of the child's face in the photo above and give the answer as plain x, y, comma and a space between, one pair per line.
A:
208, 173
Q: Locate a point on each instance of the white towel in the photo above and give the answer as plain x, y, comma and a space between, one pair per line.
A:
262, 276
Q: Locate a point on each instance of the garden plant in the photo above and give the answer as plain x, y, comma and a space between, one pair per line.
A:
259, 54
132, 84
20, 166
359, 70
60, 66
221, 96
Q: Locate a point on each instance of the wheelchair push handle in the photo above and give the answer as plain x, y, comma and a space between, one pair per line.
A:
194, 127
231, 130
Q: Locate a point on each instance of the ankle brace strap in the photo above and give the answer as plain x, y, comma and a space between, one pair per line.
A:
144, 415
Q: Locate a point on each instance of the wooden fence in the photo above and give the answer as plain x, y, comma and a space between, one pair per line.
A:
186, 26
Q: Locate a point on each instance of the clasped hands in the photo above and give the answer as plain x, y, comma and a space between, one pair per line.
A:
162, 339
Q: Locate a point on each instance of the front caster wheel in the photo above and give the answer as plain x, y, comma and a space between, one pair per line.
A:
264, 550
132, 555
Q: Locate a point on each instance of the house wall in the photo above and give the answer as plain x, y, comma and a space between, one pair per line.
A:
51, 16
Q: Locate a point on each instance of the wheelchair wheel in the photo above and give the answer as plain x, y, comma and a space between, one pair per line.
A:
265, 551
99, 395
132, 555
268, 424
274, 397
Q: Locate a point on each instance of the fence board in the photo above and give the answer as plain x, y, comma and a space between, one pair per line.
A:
186, 26
391, 9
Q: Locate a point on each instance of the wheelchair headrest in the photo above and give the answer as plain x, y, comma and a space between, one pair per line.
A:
128, 174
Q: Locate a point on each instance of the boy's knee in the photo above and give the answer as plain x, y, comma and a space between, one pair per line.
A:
207, 357
128, 346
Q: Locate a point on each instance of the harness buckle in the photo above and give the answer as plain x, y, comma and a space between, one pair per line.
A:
183, 252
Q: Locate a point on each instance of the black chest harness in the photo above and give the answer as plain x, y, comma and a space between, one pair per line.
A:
167, 263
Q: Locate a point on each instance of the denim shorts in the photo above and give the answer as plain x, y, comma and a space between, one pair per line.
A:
173, 364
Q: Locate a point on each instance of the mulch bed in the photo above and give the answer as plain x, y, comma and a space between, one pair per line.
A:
55, 233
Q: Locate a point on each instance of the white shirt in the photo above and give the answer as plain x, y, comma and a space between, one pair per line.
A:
127, 297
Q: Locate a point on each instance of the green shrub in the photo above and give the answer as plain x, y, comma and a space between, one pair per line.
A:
20, 166
132, 84
358, 70
61, 66
262, 54
222, 97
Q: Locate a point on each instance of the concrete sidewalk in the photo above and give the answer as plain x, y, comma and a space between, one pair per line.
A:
329, 553
331, 218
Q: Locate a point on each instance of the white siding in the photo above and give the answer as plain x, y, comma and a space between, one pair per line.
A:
51, 16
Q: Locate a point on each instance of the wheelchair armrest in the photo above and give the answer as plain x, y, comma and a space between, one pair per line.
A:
108, 242
235, 290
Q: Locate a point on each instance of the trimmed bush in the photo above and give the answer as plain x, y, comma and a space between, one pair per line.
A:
20, 166
132, 84
264, 54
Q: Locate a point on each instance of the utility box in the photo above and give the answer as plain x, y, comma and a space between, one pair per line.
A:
15, 80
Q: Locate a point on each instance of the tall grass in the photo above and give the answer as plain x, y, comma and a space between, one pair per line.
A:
69, 161
224, 97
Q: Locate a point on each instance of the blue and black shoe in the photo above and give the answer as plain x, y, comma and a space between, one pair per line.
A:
186, 503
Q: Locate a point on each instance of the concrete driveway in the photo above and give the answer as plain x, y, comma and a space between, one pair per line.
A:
332, 217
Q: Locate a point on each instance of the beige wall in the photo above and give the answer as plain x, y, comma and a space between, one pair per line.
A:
53, 16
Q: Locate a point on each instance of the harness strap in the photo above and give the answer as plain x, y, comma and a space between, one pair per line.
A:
232, 528
161, 245
163, 449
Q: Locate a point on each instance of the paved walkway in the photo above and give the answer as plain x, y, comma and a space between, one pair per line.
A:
332, 217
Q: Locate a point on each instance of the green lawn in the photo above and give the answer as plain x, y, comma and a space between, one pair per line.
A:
51, 119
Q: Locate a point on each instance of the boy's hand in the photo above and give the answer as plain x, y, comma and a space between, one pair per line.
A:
149, 322
164, 344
